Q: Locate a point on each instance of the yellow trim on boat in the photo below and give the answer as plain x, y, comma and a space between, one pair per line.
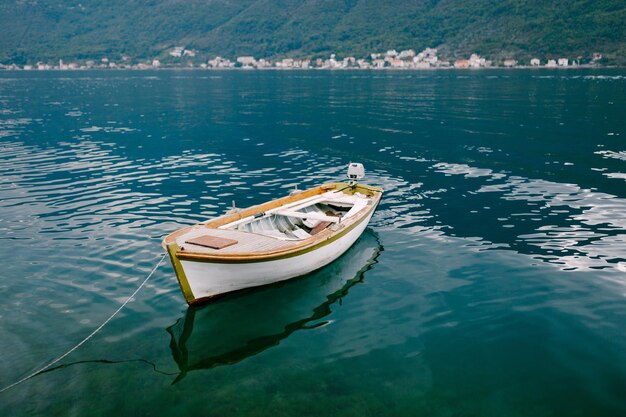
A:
173, 250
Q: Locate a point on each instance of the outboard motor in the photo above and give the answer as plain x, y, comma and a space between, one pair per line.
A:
356, 171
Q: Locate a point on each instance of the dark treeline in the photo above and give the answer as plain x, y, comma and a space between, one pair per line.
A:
45, 30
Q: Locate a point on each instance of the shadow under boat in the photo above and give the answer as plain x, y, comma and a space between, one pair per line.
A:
244, 324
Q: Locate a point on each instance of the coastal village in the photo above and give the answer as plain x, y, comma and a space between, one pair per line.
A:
180, 57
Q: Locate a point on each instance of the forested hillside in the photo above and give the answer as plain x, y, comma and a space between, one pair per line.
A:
32, 30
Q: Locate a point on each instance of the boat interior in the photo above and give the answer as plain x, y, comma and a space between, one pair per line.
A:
301, 220
277, 228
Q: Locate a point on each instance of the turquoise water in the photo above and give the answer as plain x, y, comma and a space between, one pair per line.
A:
491, 282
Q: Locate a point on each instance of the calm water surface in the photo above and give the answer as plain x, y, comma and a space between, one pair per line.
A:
491, 282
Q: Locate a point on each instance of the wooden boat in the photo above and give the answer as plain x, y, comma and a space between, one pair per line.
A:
271, 242
232, 329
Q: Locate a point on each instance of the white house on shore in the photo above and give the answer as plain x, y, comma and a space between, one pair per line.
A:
535, 62
177, 51
551, 63
247, 61
510, 63
476, 61
563, 62
219, 62
378, 63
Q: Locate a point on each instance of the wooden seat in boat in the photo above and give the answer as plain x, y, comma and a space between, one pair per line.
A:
319, 227
247, 242
212, 242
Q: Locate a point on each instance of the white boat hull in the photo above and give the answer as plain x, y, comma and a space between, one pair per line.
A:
210, 279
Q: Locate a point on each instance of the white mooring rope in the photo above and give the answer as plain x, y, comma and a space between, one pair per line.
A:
90, 335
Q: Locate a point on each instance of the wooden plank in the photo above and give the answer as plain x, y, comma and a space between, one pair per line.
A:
246, 241
319, 227
212, 242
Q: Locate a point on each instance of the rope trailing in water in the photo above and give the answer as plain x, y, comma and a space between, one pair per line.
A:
92, 334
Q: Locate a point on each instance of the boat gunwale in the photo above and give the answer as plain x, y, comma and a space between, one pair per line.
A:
323, 238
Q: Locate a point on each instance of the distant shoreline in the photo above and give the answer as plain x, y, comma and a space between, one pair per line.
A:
406, 59
451, 68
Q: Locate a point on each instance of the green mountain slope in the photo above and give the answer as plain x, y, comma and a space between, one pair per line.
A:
32, 30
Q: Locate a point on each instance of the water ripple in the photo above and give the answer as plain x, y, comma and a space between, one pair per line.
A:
503, 219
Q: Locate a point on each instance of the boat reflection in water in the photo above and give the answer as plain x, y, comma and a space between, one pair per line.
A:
243, 324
